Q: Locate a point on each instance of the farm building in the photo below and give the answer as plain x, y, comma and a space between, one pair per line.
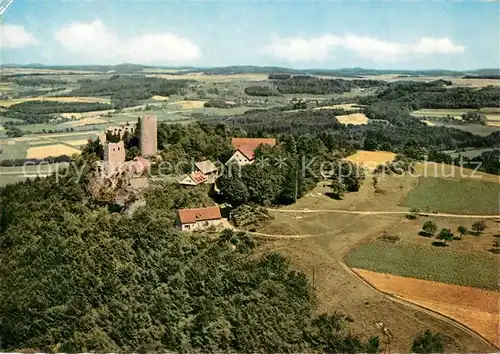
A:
198, 219
245, 148
206, 172
193, 179
206, 167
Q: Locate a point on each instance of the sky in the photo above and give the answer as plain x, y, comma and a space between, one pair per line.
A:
298, 34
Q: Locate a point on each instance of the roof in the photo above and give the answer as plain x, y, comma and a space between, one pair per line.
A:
198, 177
247, 145
206, 166
247, 150
189, 216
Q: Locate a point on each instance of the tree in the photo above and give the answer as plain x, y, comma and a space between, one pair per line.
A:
338, 189
478, 227
462, 230
233, 189
445, 235
428, 342
429, 228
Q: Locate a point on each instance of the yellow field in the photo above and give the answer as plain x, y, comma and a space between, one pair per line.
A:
86, 121
190, 104
345, 106
40, 152
5, 87
476, 308
9, 103
355, 119
492, 117
76, 115
159, 98
429, 123
77, 143
493, 124
371, 159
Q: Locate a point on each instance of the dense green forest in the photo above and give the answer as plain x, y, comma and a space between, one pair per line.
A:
261, 91
34, 81
312, 85
76, 276
436, 94
126, 91
33, 112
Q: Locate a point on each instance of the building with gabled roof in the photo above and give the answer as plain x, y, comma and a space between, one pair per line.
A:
206, 167
245, 149
193, 179
198, 218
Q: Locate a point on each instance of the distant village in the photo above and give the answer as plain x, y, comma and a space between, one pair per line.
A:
114, 165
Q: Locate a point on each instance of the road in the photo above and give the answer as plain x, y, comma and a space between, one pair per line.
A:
359, 212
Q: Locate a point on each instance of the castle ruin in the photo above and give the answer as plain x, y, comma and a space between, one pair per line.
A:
114, 155
148, 135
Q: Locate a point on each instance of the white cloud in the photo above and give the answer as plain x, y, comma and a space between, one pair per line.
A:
97, 42
16, 36
319, 49
437, 46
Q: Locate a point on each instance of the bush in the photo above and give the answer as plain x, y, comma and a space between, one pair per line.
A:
428, 342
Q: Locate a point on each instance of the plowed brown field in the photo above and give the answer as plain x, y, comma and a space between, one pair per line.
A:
476, 308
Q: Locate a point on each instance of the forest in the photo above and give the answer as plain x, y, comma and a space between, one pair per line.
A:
435, 94
312, 85
127, 91
33, 112
78, 277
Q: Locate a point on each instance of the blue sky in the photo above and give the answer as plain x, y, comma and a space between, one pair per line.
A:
417, 35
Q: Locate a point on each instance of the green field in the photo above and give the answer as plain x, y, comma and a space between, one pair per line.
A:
457, 196
437, 112
476, 269
15, 174
478, 129
468, 153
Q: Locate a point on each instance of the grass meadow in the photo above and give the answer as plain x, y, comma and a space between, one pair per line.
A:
457, 196
475, 269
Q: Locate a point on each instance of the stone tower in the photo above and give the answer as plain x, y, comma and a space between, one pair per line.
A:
148, 137
114, 155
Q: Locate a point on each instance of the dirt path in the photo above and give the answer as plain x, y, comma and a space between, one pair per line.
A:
359, 212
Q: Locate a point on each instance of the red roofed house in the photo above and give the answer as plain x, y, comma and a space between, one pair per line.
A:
198, 219
245, 148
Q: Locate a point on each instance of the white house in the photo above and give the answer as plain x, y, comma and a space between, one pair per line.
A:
245, 148
198, 219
